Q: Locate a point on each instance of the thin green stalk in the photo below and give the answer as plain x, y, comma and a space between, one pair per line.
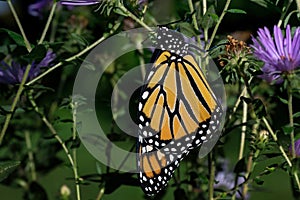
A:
237, 103
48, 22
205, 30
194, 19
192, 9
218, 24
291, 119
31, 163
129, 14
212, 170
244, 128
74, 150
56, 136
54, 25
204, 5
100, 194
14, 104
142, 63
88, 48
27, 44
295, 174
250, 165
24, 78
298, 5
284, 11
274, 136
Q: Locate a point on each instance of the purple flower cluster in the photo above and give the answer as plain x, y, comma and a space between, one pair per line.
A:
225, 179
13, 74
281, 55
297, 148
36, 9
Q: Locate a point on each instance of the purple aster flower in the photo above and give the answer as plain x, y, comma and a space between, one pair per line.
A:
13, 74
297, 148
280, 54
36, 9
79, 2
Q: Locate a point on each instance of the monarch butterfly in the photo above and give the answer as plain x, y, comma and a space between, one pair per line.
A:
177, 111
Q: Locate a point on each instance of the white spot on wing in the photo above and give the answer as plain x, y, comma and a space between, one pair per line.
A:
145, 94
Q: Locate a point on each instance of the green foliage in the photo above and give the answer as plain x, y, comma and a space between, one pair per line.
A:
236, 11
7, 167
17, 38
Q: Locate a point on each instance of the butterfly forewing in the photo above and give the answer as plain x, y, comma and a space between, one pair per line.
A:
177, 112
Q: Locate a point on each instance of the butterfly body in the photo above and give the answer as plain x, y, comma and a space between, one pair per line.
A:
177, 112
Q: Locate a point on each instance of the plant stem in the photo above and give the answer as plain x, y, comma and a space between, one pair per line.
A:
276, 140
250, 165
195, 23
244, 128
129, 14
204, 4
284, 11
212, 169
48, 22
24, 78
218, 24
298, 5
56, 136
54, 24
237, 103
100, 194
205, 29
30, 155
281, 150
88, 48
14, 104
74, 150
27, 44
291, 119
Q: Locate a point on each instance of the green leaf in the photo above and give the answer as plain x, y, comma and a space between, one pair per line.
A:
187, 29
120, 12
283, 100
240, 166
36, 192
7, 167
209, 18
236, 11
258, 181
37, 54
98, 168
267, 4
296, 125
287, 130
19, 40
297, 114
287, 18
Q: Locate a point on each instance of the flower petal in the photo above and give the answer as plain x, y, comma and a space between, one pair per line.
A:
79, 2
